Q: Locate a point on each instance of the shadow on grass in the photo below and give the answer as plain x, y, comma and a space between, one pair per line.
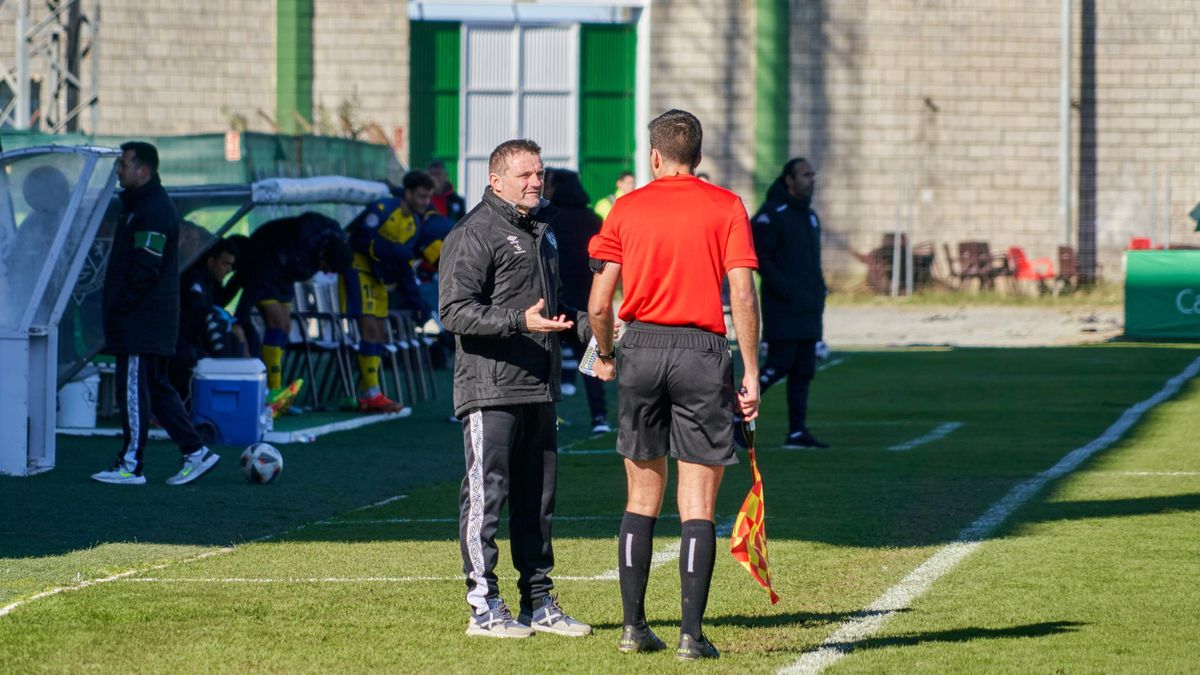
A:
786, 620
1114, 508
1031, 630
855, 495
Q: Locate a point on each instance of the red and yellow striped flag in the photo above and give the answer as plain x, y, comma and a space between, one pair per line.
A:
748, 544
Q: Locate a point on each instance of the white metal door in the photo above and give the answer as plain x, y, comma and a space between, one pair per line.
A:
518, 82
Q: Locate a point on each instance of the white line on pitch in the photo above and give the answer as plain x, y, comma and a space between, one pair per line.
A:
606, 451
939, 432
9, 608
827, 366
899, 597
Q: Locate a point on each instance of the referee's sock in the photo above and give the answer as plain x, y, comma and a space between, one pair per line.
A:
697, 550
635, 546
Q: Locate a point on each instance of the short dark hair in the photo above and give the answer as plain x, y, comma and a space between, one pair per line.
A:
222, 247
498, 162
790, 166
677, 136
143, 152
414, 180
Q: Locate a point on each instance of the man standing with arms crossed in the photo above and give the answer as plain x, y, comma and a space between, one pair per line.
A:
669, 244
500, 296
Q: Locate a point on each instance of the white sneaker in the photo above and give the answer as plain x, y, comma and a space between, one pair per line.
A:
497, 622
568, 389
194, 465
600, 426
119, 474
548, 617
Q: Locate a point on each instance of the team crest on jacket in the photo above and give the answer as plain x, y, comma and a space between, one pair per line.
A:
516, 243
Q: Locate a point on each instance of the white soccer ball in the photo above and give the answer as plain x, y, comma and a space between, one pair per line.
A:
261, 463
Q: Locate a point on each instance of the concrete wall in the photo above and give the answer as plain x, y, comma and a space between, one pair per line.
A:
360, 55
172, 67
958, 101
702, 61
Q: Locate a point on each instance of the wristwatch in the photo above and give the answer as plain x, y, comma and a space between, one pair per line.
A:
606, 357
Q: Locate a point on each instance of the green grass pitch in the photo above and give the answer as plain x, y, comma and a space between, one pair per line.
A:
1095, 573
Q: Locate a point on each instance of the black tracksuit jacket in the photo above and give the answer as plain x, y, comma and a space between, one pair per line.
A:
787, 238
495, 264
141, 284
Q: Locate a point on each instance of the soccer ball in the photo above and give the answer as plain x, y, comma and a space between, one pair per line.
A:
261, 463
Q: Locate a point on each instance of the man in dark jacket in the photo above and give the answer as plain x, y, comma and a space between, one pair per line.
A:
787, 236
574, 226
500, 296
141, 321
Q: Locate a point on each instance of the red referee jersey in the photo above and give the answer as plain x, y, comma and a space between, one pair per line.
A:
675, 239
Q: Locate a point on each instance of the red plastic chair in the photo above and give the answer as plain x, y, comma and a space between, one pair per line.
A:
1139, 244
1039, 270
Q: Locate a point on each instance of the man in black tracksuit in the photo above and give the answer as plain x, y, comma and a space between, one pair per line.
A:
500, 296
141, 321
787, 237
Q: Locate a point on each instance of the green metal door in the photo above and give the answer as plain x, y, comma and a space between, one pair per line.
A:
607, 135
433, 109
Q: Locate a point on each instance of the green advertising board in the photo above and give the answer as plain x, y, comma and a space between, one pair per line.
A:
1162, 294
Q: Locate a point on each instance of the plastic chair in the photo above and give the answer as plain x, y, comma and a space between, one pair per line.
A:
1039, 270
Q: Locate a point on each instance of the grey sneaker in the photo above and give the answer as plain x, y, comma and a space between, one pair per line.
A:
692, 649
119, 474
194, 465
497, 622
636, 640
548, 617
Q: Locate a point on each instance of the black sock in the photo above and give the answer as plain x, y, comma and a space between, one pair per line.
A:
697, 550
635, 545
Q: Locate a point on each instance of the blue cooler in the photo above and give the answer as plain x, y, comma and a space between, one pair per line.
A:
230, 395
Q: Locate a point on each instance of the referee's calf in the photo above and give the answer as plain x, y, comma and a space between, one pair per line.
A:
669, 244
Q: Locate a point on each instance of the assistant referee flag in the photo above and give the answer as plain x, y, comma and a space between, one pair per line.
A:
748, 544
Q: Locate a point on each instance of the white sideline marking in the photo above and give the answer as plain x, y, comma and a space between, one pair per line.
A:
607, 451
826, 366
897, 598
937, 434
9, 608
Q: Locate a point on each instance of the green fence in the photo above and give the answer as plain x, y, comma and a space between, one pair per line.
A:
1162, 294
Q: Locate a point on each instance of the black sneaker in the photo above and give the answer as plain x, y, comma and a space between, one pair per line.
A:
639, 640
692, 649
800, 440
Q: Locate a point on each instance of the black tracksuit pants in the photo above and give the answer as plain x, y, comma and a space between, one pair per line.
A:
143, 388
797, 361
511, 455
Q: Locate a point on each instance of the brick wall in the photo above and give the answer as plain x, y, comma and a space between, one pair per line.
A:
951, 106
170, 67
360, 55
702, 61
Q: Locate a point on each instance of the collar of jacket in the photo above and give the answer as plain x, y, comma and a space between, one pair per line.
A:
535, 222
131, 197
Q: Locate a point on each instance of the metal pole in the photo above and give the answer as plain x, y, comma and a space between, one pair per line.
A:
24, 105
94, 54
908, 235
1064, 122
1167, 213
1155, 238
896, 234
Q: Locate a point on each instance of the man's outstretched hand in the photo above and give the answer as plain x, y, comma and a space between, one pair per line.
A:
536, 323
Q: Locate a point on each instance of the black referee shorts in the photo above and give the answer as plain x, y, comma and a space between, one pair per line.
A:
675, 394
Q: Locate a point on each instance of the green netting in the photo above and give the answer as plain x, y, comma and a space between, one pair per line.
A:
200, 159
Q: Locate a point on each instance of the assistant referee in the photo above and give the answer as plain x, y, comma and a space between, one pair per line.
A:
670, 244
